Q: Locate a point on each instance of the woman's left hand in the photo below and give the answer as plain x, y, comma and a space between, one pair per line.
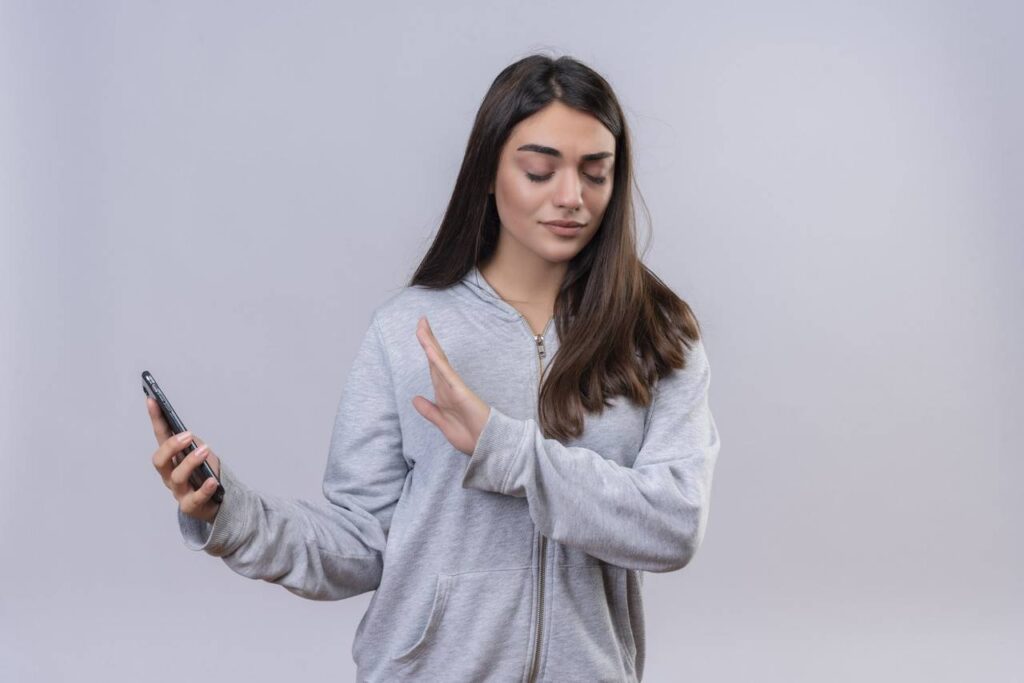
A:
458, 412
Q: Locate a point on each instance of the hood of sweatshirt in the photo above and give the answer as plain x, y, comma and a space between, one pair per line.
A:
474, 287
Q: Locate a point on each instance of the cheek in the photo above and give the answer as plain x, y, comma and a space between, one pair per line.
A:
601, 195
597, 204
519, 198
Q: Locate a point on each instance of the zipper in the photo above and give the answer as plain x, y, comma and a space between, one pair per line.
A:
541, 352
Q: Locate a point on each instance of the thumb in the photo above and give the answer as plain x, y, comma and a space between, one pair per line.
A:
427, 409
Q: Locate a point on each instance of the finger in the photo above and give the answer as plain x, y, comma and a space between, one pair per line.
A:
425, 337
156, 416
428, 409
428, 348
444, 368
442, 372
181, 473
192, 502
212, 460
433, 340
444, 365
171, 446
436, 376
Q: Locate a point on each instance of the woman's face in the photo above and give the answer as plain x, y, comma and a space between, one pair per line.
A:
543, 175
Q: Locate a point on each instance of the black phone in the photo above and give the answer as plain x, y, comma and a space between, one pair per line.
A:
203, 471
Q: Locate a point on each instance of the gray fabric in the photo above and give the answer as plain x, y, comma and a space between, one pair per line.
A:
451, 544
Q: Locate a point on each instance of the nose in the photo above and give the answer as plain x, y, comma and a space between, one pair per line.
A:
568, 192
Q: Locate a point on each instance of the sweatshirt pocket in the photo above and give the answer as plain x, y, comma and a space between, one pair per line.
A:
478, 625
426, 636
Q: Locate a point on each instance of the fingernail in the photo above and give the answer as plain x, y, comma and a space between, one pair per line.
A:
184, 436
202, 452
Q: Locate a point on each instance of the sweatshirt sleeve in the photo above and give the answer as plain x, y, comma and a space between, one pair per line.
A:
327, 550
651, 516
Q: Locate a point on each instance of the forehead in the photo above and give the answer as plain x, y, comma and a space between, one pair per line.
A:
572, 132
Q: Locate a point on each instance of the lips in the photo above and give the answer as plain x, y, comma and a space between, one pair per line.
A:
564, 228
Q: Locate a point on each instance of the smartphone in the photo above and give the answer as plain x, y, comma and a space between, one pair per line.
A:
203, 471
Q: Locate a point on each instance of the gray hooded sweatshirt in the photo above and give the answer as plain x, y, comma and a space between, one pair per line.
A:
522, 562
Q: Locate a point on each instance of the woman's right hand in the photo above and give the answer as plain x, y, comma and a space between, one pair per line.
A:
197, 504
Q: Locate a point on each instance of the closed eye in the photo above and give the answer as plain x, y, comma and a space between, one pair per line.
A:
540, 179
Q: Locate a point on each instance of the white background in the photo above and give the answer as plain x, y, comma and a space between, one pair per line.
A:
221, 193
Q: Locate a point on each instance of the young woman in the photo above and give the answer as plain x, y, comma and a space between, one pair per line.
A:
506, 524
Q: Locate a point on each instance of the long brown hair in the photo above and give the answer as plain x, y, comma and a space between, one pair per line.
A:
620, 327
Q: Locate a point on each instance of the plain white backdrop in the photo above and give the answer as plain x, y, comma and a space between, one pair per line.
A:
221, 193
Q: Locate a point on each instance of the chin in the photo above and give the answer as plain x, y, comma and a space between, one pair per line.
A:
557, 255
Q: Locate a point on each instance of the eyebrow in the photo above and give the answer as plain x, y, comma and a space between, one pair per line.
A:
558, 155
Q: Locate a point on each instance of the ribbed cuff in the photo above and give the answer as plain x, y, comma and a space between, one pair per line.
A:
231, 526
498, 447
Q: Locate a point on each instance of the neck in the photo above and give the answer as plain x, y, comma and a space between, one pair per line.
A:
529, 283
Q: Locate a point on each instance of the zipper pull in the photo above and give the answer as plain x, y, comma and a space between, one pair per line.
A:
540, 344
